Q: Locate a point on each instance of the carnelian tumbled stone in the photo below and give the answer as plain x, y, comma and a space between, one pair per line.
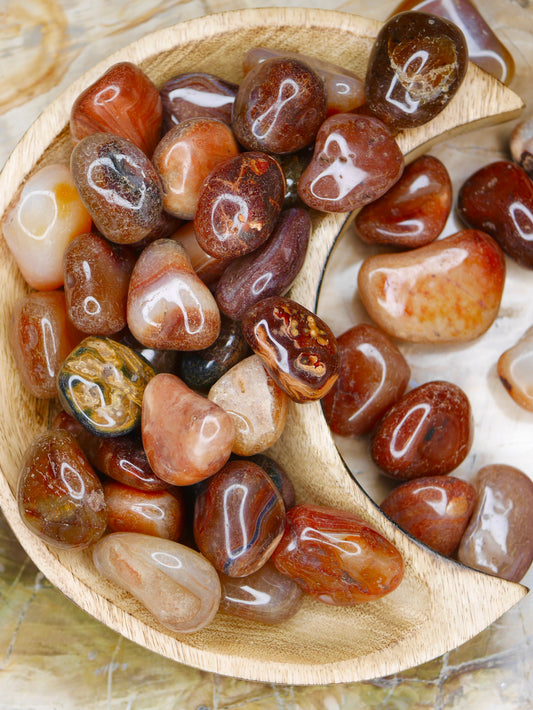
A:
428, 432
434, 509
336, 557
123, 101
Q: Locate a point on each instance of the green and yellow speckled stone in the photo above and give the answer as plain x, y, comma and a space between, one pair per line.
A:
101, 383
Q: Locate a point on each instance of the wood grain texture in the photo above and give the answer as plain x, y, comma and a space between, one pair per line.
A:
440, 603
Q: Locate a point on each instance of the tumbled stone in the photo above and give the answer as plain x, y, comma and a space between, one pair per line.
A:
269, 270
498, 199
266, 596
239, 205
186, 437
428, 432
59, 496
297, 347
336, 557
256, 404
484, 48
196, 94
447, 291
178, 586
414, 211
499, 537
118, 185
158, 513
123, 101
184, 158
96, 275
44, 216
515, 369
279, 106
434, 510
344, 89
416, 66
521, 144
101, 383
279, 476
169, 307
238, 519
373, 376
356, 160
208, 268
41, 337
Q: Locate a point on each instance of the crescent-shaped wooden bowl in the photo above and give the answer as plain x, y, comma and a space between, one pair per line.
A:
440, 603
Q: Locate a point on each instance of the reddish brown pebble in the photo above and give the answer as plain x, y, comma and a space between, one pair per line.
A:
428, 432
373, 376
499, 537
356, 160
279, 107
238, 519
239, 205
515, 369
498, 199
186, 437
297, 347
123, 101
280, 477
414, 211
336, 557
417, 63
447, 291
434, 510
59, 496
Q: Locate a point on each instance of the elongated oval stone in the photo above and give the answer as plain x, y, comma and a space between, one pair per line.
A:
59, 496
168, 305
447, 291
515, 369
336, 557
178, 586
186, 437
428, 432
238, 519
499, 537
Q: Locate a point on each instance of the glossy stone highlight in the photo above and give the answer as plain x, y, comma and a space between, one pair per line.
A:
59, 496
185, 436
336, 557
238, 519
434, 510
297, 347
176, 584
498, 539
417, 63
373, 376
356, 160
428, 432
414, 211
447, 291
45, 215
515, 369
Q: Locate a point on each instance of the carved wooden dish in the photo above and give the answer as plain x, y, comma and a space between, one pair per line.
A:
440, 604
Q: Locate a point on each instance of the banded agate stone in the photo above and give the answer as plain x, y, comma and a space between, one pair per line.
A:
238, 519
515, 370
279, 476
336, 557
178, 586
45, 215
59, 496
101, 383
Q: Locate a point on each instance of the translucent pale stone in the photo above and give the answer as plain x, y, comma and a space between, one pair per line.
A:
176, 584
256, 404
186, 437
515, 369
45, 215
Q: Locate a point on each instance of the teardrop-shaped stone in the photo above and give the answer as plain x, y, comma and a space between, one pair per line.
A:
256, 404
499, 537
168, 306
515, 369
178, 586
186, 437
447, 291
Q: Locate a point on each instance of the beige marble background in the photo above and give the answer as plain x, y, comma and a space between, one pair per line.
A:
53, 656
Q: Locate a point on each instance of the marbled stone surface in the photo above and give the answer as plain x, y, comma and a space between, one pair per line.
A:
53, 42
